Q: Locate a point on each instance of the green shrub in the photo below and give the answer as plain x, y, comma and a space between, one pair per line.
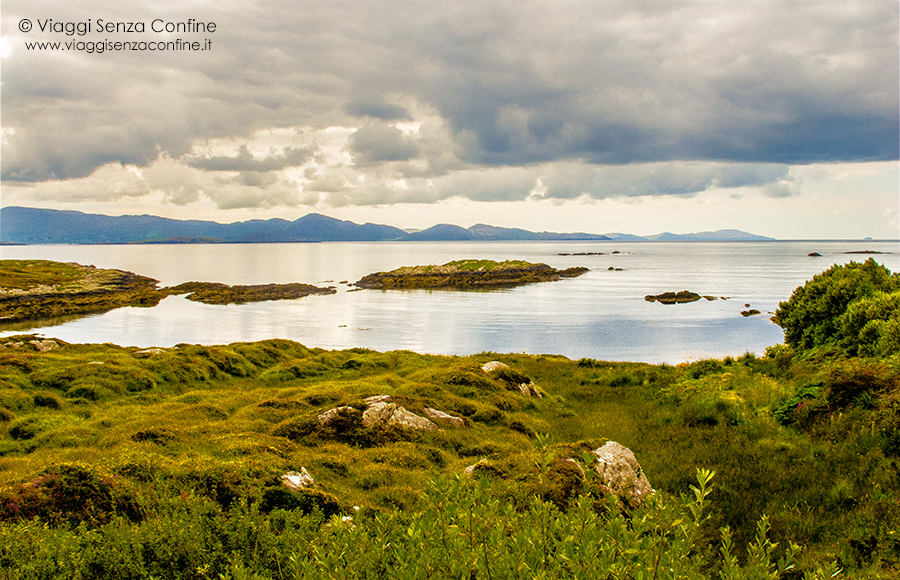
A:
857, 382
865, 326
69, 492
306, 500
815, 313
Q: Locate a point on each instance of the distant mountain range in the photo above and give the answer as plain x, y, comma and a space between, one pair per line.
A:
24, 225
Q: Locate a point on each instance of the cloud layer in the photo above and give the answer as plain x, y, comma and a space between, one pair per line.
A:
358, 103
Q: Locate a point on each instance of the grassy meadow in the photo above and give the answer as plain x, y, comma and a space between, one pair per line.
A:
165, 463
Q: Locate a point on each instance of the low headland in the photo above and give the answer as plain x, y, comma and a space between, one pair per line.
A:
32, 289
274, 460
467, 274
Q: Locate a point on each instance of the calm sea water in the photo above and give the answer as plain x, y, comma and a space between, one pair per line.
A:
601, 314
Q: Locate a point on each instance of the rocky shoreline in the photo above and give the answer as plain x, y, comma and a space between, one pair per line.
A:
463, 274
44, 289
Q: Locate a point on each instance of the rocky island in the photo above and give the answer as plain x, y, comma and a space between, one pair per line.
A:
217, 293
462, 274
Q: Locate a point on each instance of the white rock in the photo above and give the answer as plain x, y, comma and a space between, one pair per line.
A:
494, 365
295, 481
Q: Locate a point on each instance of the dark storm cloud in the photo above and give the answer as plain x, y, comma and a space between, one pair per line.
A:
377, 109
245, 161
513, 84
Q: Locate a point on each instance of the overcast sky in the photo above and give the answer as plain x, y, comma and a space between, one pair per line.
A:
779, 118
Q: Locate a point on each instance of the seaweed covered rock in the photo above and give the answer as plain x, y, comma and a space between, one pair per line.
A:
682, 297
620, 471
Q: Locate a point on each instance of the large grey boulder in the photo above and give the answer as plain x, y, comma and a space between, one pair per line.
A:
619, 470
382, 414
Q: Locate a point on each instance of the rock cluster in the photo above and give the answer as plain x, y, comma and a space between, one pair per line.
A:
616, 467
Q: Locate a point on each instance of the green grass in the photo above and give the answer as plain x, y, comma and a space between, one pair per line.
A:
28, 274
487, 265
208, 429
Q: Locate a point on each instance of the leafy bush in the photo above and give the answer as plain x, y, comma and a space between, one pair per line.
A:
813, 316
857, 382
871, 325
